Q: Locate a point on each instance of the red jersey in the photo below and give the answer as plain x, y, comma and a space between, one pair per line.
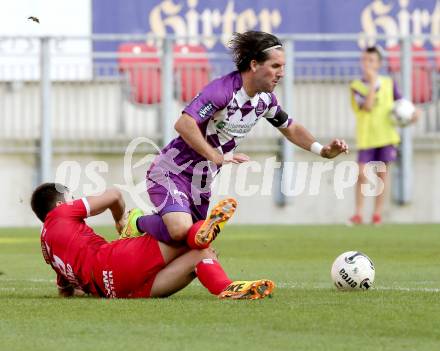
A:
84, 260
70, 246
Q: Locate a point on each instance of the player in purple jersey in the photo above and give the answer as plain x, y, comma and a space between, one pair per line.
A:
210, 128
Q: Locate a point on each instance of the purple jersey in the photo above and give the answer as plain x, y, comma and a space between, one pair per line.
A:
225, 115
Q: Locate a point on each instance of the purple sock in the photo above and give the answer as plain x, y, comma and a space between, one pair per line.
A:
154, 225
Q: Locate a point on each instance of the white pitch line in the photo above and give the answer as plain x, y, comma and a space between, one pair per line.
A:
21, 289
32, 280
398, 288
284, 285
281, 285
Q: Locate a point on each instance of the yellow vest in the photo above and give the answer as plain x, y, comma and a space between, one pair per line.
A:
375, 128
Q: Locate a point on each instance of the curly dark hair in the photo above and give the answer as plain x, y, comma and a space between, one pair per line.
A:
250, 46
45, 197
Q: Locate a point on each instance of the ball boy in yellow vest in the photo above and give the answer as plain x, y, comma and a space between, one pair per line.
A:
372, 99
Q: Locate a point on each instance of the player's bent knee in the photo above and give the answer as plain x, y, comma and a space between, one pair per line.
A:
199, 255
178, 231
209, 253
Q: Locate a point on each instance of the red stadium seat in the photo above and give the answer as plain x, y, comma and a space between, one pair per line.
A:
437, 58
421, 72
141, 64
192, 69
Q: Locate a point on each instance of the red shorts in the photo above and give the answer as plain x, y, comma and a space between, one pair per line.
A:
127, 268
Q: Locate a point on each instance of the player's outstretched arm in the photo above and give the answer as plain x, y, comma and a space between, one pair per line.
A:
111, 199
300, 136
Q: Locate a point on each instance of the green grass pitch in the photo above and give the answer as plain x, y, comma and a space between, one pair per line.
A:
305, 313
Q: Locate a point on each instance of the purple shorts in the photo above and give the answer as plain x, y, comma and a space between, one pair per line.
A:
385, 154
173, 193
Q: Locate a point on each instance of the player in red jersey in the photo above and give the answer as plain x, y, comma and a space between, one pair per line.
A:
130, 268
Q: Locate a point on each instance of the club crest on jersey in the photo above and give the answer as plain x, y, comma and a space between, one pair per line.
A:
261, 106
207, 110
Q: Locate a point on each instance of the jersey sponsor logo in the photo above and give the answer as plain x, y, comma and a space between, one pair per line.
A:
206, 110
107, 278
220, 125
240, 129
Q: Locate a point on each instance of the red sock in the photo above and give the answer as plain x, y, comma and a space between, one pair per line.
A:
191, 237
212, 276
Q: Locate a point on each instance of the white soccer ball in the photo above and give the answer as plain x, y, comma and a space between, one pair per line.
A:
403, 110
353, 271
